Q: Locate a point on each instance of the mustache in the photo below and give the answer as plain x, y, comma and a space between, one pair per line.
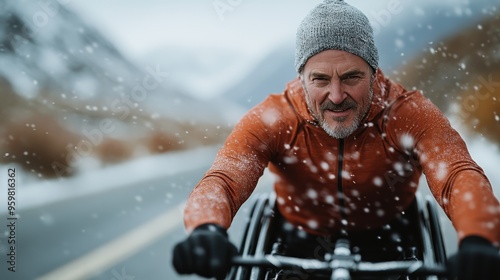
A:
345, 105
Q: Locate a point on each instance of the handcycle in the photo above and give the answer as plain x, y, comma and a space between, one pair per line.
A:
260, 256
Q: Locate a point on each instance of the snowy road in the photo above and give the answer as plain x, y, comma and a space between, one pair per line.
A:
120, 230
125, 228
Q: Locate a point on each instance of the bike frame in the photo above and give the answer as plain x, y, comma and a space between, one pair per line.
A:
261, 231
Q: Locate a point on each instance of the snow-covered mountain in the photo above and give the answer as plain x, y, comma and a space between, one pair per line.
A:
270, 75
68, 96
201, 71
51, 47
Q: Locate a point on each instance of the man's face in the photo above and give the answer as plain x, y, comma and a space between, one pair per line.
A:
338, 87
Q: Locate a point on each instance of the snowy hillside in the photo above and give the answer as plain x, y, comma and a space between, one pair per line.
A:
70, 99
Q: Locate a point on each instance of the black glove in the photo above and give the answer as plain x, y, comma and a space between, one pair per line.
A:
207, 252
477, 258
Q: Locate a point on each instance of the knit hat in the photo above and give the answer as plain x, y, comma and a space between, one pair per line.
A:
336, 25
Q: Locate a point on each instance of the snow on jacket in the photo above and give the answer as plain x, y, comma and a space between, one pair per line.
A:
377, 168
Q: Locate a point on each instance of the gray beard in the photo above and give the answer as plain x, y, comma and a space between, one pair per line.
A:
340, 132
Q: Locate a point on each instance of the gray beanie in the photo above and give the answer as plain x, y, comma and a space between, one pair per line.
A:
335, 25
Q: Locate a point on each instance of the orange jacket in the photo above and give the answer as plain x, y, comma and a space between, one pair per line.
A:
377, 168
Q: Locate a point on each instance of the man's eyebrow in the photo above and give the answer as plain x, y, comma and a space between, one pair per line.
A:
318, 75
354, 72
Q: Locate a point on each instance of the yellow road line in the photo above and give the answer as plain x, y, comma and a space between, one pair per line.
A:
118, 249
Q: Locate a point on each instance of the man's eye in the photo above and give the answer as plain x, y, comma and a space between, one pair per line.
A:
352, 80
319, 79
320, 82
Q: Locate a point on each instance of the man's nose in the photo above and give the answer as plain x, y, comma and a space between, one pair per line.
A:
336, 92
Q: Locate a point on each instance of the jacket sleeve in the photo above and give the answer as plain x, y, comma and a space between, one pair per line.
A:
235, 172
418, 128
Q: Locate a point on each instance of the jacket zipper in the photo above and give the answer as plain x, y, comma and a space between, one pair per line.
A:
340, 192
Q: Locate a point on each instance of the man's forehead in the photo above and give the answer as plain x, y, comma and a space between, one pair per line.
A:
335, 61
351, 71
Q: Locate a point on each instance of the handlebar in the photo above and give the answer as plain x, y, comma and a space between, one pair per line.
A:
341, 265
407, 267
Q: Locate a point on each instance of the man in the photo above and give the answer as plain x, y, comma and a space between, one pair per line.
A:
348, 147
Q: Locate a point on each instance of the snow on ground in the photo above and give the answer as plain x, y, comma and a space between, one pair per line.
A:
32, 193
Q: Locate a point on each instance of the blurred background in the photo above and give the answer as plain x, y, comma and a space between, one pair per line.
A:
112, 111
